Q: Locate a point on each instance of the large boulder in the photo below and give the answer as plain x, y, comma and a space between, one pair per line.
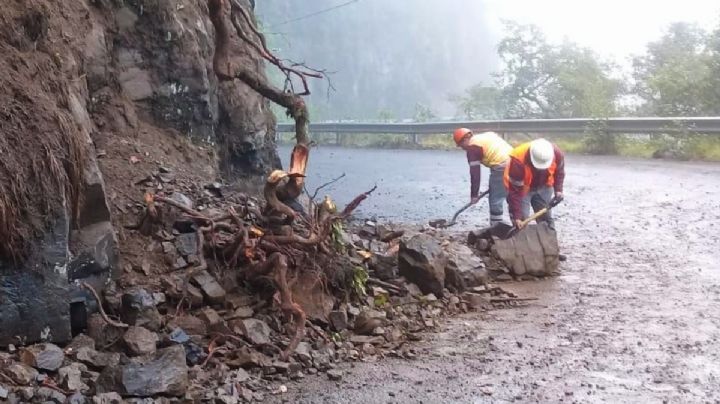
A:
464, 269
532, 251
421, 260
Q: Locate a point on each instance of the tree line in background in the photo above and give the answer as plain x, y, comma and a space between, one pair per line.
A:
678, 75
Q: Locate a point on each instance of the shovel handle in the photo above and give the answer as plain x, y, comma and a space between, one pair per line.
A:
469, 204
533, 217
554, 202
516, 229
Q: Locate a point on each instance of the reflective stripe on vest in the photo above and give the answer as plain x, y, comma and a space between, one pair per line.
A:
520, 156
495, 149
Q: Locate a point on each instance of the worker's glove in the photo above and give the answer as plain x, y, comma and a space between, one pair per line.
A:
519, 224
474, 199
559, 196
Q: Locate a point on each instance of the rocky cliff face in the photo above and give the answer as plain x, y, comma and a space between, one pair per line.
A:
96, 95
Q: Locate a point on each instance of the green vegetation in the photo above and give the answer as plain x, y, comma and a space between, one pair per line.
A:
542, 80
680, 74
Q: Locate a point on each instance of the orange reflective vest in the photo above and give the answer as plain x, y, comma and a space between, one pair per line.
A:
519, 155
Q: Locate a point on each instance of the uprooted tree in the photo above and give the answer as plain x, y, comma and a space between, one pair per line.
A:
275, 243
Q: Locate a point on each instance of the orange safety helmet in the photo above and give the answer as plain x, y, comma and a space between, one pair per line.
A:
460, 134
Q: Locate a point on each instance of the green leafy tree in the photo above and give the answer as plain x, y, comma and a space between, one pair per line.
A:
385, 115
480, 102
678, 74
423, 113
539, 79
523, 53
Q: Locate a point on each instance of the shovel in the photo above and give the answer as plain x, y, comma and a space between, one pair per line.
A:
515, 229
442, 223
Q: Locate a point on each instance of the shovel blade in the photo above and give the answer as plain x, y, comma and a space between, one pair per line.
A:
438, 223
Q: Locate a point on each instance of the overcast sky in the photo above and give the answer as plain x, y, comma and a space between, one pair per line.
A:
616, 28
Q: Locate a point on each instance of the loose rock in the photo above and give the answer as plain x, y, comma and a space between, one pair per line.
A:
107, 398
368, 320
182, 199
178, 336
76, 398
247, 358
366, 339
211, 289
242, 312
186, 244
165, 373
43, 356
26, 393
257, 331
21, 374
533, 251
140, 341
70, 377
98, 360
303, 352
422, 261
190, 324
334, 374
338, 319
80, 341
210, 317
51, 395
138, 308
384, 266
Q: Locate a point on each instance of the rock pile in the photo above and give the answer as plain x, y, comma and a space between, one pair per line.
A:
184, 334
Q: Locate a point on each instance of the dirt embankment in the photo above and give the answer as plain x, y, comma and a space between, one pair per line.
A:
129, 82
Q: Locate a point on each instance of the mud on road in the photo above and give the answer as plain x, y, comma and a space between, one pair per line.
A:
634, 316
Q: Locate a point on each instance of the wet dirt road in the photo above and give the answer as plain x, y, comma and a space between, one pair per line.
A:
634, 317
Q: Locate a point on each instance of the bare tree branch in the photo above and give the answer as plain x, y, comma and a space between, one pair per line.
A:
334, 180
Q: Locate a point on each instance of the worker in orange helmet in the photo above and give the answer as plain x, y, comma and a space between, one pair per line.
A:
533, 177
492, 151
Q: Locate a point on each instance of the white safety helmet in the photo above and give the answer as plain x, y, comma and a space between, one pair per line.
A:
542, 154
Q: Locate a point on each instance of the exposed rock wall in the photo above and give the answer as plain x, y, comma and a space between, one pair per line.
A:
97, 93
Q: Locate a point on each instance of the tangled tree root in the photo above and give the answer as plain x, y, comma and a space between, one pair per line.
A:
248, 242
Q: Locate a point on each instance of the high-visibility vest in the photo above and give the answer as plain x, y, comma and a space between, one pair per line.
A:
520, 155
495, 149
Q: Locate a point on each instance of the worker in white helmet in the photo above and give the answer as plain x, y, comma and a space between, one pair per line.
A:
534, 175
